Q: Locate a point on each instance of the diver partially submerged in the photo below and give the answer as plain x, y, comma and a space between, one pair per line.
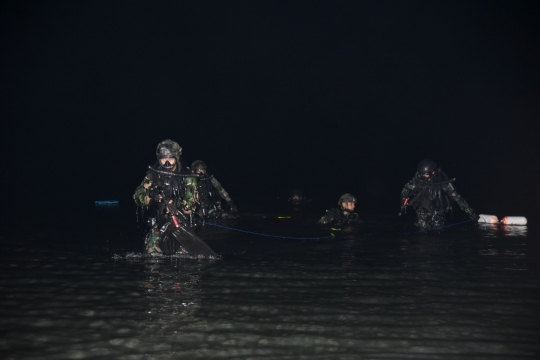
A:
430, 193
210, 193
297, 198
171, 195
344, 215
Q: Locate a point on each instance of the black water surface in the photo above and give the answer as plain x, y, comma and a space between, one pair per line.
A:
76, 289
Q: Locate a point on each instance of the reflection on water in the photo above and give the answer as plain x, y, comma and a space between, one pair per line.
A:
497, 230
514, 230
436, 295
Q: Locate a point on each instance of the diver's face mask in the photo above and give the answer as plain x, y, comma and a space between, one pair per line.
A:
428, 176
200, 171
168, 163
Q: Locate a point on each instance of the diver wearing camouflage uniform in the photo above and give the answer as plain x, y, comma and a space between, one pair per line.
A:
209, 189
166, 179
429, 192
345, 215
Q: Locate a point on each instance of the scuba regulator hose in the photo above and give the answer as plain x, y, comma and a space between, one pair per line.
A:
170, 173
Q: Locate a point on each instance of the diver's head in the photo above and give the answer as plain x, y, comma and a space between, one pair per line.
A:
347, 202
198, 167
426, 169
168, 153
296, 195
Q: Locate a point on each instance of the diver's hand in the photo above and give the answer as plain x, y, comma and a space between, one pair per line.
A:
167, 208
473, 216
403, 209
233, 207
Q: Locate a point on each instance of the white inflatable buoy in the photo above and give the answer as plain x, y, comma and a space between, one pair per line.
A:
487, 219
514, 220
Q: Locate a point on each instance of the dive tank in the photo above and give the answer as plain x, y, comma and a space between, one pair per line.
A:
487, 219
514, 220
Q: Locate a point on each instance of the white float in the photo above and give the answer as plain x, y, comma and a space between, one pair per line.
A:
514, 220
487, 219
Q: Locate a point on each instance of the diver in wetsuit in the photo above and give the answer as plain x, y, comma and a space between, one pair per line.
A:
345, 215
429, 192
210, 191
171, 194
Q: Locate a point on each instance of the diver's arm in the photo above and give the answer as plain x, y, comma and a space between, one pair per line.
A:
326, 219
142, 193
221, 191
224, 194
408, 190
453, 194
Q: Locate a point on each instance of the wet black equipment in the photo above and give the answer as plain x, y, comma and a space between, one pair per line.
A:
408, 202
185, 175
439, 182
184, 235
346, 219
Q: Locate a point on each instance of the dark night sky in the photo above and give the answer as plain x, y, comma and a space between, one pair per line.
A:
329, 97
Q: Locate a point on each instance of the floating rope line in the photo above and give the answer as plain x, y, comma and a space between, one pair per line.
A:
267, 235
325, 237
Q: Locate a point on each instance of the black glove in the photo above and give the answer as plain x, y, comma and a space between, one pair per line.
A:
233, 207
473, 216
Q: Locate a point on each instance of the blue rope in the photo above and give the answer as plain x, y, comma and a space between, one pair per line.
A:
267, 235
324, 237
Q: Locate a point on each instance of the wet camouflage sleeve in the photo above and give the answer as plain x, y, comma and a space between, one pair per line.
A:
221, 191
408, 190
452, 194
191, 195
142, 193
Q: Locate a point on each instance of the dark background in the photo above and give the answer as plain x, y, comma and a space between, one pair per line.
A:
328, 97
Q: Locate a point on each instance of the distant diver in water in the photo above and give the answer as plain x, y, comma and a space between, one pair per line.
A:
429, 192
171, 194
344, 215
210, 192
297, 198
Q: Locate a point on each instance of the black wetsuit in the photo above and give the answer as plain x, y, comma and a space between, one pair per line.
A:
336, 217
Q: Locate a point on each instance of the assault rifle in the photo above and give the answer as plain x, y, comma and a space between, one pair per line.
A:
407, 202
193, 244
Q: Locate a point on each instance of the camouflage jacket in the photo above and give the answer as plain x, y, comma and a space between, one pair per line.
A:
221, 191
206, 186
431, 197
182, 189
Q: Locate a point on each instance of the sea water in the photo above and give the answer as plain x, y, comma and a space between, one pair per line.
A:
379, 292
